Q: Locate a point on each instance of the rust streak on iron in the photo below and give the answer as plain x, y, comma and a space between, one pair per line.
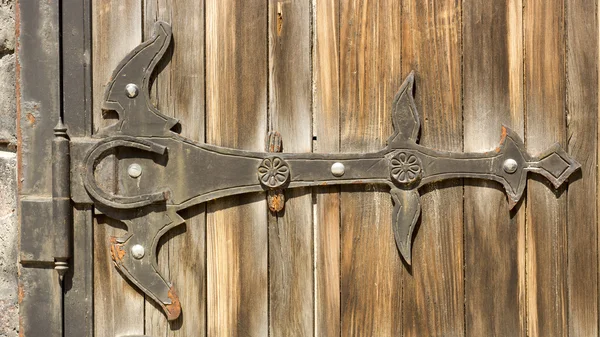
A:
116, 250
502, 139
173, 310
276, 200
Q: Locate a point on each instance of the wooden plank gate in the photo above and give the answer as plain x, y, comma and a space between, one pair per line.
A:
324, 74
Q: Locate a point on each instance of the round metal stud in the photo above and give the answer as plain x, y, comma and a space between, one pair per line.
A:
338, 169
510, 165
132, 90
137, 251
134, 170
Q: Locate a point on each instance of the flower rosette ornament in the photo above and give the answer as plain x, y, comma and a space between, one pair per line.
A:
405, 168
273, 172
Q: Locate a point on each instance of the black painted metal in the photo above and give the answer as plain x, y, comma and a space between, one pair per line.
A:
150, 198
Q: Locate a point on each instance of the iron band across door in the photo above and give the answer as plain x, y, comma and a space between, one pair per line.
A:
161, 173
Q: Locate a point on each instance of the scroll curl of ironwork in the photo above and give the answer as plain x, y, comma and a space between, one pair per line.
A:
148, 203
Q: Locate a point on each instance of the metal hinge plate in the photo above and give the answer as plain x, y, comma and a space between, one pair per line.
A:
151, 158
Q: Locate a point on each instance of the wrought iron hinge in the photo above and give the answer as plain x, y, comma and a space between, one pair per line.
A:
150, 158
44, 215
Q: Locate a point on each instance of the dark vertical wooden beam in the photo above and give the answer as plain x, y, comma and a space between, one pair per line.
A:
433, 302
38, 109
546, 225
494, 236
77, 116
326, 126
371, 268
582, 142
236, 116
291, 299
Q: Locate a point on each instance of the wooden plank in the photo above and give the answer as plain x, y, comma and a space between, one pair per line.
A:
326, 126
236, 110
79, 300
582, 131
546, 224
370, 74
433, 301
118, 305
291, 299
179, 92
493, 96
155, 323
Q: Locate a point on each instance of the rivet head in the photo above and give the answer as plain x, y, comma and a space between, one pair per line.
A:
132, 90
137, 251
134, 170
338, 169
510, 165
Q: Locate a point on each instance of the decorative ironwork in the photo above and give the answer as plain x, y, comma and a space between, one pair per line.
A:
406, 168
149, 202
273, 172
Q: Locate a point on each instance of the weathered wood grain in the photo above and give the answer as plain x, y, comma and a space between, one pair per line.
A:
118, 305
179, 92
291, 299
326, 126
546, 229
433, 302
236, 111
494, 236
582, 143
370, 74
155, 323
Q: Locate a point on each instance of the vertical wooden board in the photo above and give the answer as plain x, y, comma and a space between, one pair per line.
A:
179, 91
433, 302
582, 131
326, 126
236, 111
77, 114
78, 301
371, 269
492, 96
291, 297
546, 239
118, 305
155, 323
